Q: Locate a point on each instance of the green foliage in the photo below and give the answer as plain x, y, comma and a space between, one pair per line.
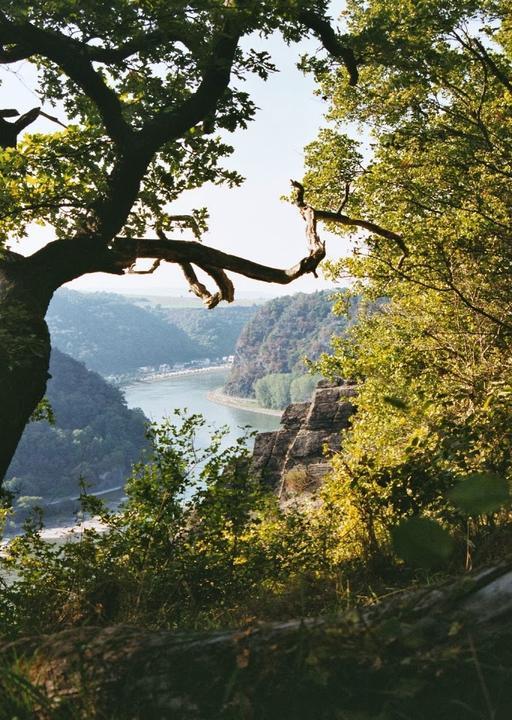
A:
480, 493
422, 542
431, 348
273, 391
303, 387
43, 411
277, 390
93, 436
333, 162
197, 543
281, 335
226, 554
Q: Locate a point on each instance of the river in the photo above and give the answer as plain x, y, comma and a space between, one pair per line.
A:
159, 398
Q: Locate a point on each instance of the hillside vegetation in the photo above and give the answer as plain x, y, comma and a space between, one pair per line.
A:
94, 437
112, 335
215, 334
278, 339
115, 335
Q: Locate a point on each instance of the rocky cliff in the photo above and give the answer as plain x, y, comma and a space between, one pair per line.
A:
296, 457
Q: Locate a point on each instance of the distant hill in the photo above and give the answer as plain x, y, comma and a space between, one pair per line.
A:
214, 332
95, 436
191, 301
280, 335
114, 335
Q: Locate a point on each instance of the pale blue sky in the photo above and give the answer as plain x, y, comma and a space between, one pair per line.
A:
251, 220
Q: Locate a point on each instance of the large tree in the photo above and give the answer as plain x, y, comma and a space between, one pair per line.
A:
145, 88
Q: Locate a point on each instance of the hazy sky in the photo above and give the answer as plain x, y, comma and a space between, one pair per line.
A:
251, 220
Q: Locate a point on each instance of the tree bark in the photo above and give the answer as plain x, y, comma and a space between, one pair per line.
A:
24, 352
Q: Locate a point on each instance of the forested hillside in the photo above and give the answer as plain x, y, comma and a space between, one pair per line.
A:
95, 436
113, 335
281, 334
215, 334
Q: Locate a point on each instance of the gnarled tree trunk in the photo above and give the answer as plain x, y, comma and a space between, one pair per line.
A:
24, 351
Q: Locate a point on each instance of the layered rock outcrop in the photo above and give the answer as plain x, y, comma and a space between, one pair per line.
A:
299, 451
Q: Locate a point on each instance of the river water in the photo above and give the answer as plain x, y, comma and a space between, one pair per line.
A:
159, 399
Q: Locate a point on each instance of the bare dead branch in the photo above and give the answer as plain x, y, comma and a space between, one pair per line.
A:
315, 245
178, 251
226, 288
9, 112
215, 262
341, 219
131, 270
197, 287
52, 118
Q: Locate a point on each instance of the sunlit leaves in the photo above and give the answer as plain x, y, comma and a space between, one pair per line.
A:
433, 431
334, 162
52, 179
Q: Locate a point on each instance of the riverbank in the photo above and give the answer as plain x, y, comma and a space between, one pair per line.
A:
217, 396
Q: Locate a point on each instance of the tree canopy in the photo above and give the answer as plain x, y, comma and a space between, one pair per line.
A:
145, 90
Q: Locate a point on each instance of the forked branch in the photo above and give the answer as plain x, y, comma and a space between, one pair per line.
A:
226, 290
9, 131
340, 219
214, 262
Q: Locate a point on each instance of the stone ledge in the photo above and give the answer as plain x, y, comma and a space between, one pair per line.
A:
306, 429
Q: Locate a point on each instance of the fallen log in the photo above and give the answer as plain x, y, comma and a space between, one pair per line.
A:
439, 652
